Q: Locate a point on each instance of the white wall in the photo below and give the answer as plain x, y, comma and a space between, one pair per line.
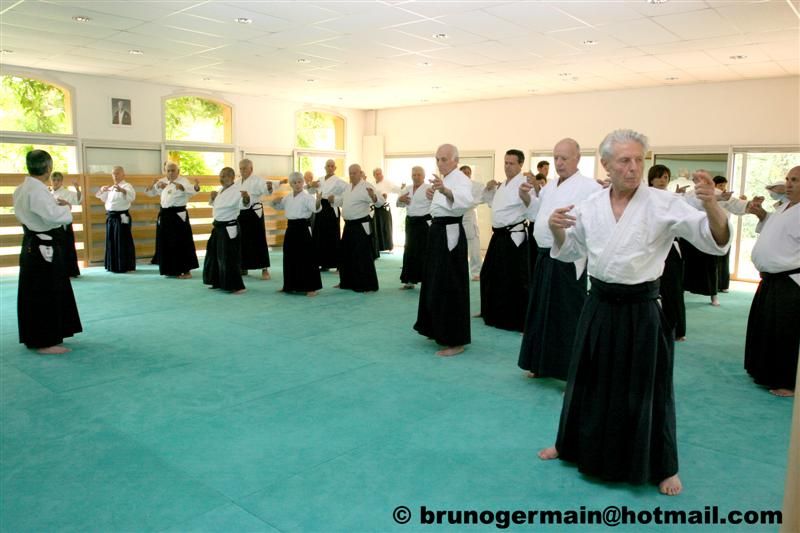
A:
259, 122
754, 112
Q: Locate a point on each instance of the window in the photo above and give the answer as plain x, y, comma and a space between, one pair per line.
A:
320, 131
35, 114
198, 134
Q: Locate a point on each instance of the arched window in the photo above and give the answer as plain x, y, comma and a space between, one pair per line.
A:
320, 136
198, 134
35, 114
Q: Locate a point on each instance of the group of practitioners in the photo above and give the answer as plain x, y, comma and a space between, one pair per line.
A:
580, 268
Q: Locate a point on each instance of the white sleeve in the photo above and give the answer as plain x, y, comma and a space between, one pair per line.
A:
131, 192
101, 194
574, 247
692, 225
47, 207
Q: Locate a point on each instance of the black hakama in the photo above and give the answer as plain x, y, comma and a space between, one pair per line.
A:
443, 311
70, 254
221, 268
174, 242
555, 298
773, 338
724, 272
300, 271
672, 301
255, 251
376, 253
326, 236
504, 279
383, 228
356, 263
414, 252
700, 274
120, 250
533, 252
46, 308
618, 417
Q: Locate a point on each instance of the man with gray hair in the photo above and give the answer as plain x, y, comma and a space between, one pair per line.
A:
618, 417
443, 311
255, 250
556, 288
120, 254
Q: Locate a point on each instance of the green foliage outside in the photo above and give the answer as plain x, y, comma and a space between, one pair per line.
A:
190, 118
316, 130
32, 106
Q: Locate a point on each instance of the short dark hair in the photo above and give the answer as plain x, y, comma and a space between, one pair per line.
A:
542, 163
518, 153
720, 179
656, 171
540, 177
56, 176
38, 162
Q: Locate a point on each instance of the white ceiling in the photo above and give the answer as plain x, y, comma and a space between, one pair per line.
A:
379, 54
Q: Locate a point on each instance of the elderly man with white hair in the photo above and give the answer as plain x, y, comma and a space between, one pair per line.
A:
300, 271
443, 311
120, 250
255, 250
618, 417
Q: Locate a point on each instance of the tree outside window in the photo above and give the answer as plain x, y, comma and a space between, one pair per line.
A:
192, 119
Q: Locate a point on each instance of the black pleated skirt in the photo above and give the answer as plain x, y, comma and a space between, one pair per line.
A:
221, 268
443, 311
70, 253
773, 335
357, 262
300, 271
46, 308
326, 236
554, 302
120, 251
504, 281
700, 272
618, 418
672, 301
383, 228
415, 249
174, 242
255, 251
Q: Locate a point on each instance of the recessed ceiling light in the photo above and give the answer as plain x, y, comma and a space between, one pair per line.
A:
564, 74
311, 80
303, 60
737, 57
136, 52
436, 87
81, 18
672, 78
657, 1
243, 20
425, 64
589, 42
206, 79
531, 90
440, 36
424, 100
6, 51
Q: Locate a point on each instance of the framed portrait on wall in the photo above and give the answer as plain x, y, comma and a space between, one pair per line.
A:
121, 114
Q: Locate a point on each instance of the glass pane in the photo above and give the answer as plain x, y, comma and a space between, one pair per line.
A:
762, 169
12, 157
266, 165
134, 160
681, 166
201, 163
33, 106
189, 118
321, 131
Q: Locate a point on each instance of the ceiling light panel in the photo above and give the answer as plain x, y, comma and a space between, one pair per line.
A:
705, 23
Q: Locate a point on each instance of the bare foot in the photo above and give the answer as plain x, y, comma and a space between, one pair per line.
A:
337, 286
311, 294
280, 290
406, 287
476, 278
546, 454
531, 375
671, 486
476, 316
188, 275
240, 291
265, 274
450, 351
680, 339
715, 301
53, 350
783, 393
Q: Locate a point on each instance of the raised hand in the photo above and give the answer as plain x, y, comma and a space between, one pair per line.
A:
492, 185
704, 187
680, 190
214, 195
560, 219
